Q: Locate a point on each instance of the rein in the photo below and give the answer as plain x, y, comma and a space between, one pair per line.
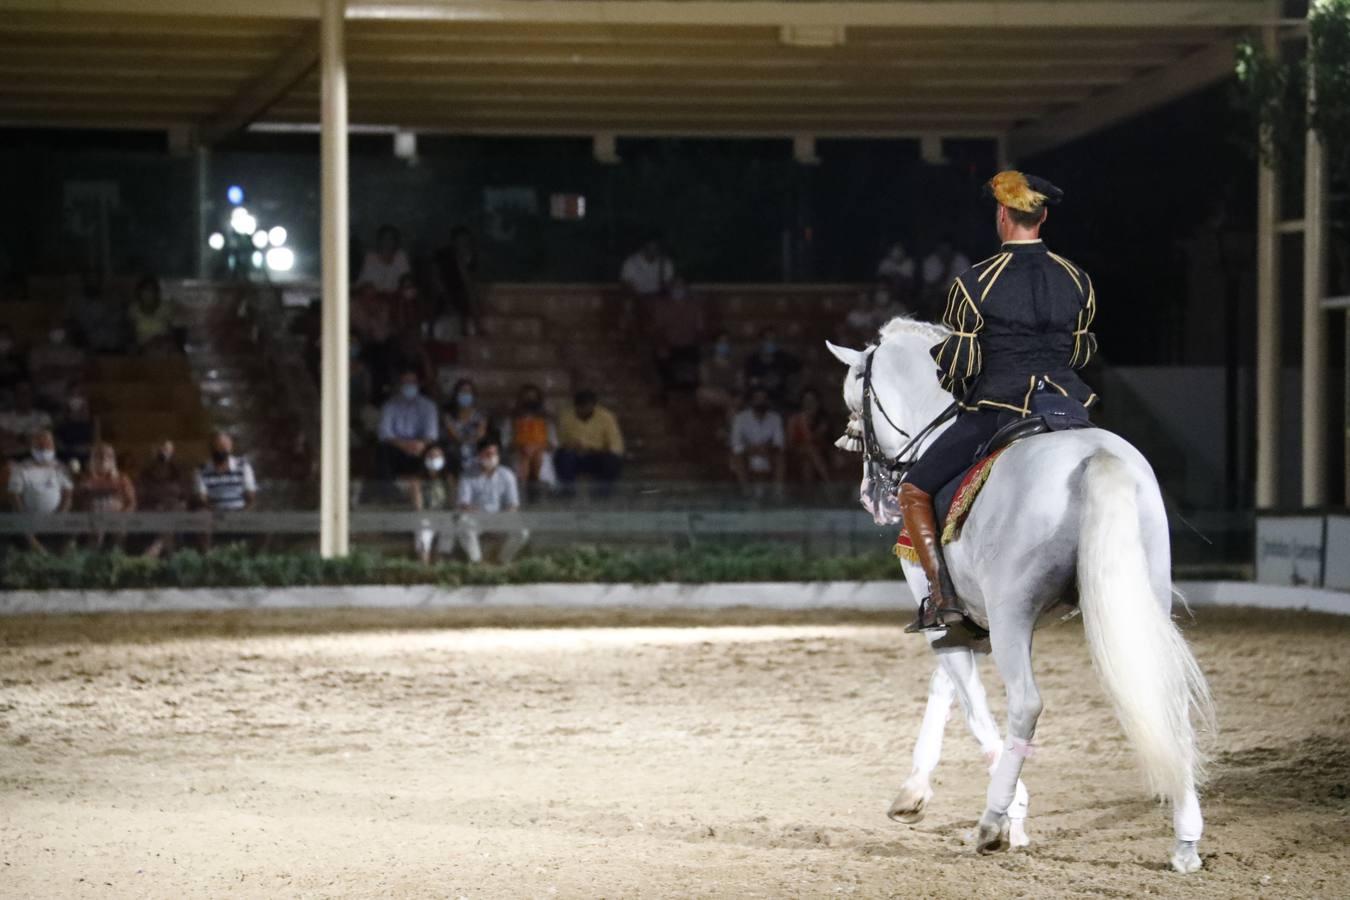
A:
892, 469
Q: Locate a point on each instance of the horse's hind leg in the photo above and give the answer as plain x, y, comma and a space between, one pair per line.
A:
1012, 655
914, 795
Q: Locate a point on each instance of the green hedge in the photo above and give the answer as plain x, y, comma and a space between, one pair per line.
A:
237, 567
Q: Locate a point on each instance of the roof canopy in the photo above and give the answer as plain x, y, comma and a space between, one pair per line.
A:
1035, 73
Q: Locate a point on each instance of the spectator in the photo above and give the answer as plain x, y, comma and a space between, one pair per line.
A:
40, 485
898, 272
459, 282
532, 438
875, 308
152, 320
99, 324
940, 267
386, 264
808, 439
720, 381
225, 483
105, 489
676, 327
13, 364
409, 353
648, 272
162, 487
407, 426
371, 316
431, 492
492, 490
590, 443
361, 408
21, 420
54, 366
757, 442
408, 312
75, 431
772, 368
464, 425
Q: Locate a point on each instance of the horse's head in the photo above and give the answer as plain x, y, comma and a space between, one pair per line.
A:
904, 396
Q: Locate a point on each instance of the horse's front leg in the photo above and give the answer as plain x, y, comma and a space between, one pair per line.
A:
1012, 655
914, 795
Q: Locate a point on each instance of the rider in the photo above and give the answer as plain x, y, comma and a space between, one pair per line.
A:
1020, 324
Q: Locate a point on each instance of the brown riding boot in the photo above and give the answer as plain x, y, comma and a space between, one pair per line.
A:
939, 608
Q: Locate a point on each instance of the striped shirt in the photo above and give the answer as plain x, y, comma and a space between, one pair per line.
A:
226, 490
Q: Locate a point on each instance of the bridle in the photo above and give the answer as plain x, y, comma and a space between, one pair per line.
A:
892, 469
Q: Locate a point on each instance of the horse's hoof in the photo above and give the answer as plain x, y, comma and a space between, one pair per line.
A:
908, 807
992, 835
1185, 858
1017, 834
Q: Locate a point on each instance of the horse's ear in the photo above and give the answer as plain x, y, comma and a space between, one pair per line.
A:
846, 355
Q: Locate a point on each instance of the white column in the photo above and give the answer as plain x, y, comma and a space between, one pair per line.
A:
1314, 317
333, 505
1268, 325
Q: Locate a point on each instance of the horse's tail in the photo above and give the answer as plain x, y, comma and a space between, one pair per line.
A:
1140, 656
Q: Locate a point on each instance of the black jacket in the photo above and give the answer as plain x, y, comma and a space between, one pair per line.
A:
1018, 319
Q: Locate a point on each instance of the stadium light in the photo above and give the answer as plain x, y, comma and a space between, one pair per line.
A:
276, 235
242, 222
260, 239
257, 259
216, 241
235, 194
280, 259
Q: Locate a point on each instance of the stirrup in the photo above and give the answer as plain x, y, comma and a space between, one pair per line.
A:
942, 618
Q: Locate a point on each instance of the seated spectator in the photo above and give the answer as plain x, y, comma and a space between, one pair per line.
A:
720, 381
162, 487
13, 365
104, 489
940, 268
874, 309
459, 285
757, 442
898, 271
675, 328
589, 443
371, 316
772, 368
531, 438
153, 320
98, 323
432, 491
40, 485
224, 483
20, 420
75, 431
386, 264
407, 425
808, 439
649, 272
465, 424
55, 366
492, 489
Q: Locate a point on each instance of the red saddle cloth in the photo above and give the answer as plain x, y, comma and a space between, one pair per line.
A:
964, 498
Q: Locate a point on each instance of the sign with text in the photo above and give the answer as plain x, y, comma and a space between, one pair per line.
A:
1289, 550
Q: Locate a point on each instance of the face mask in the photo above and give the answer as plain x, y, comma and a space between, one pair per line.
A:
435, 463
76, 407
219, 456
408, 390
489, 462
58, 336
44, 456
464, 398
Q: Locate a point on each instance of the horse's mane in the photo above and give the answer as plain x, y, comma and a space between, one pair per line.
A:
904, 325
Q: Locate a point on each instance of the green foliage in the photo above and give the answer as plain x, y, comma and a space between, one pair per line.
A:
237, 567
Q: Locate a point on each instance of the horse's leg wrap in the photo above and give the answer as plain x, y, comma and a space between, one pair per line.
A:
1003, 780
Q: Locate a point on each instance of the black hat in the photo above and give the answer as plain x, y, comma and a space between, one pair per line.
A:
1027, 193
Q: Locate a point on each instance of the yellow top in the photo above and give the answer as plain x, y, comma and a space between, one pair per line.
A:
599, 432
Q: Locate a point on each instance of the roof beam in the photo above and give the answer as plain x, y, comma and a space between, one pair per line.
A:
898, 13
257, 96
1196, 71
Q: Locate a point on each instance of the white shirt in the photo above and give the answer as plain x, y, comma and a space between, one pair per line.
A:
39, 485
749, 430
647, 276
381, 275
490, 493
934, 270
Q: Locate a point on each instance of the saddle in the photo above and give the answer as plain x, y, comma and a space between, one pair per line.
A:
1049, 413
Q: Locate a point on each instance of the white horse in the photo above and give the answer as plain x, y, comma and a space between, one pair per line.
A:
1072, 515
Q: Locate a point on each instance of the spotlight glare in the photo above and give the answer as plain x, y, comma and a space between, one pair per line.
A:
257, 258
260, 239
235, 194
277, 235
280, 259
216, 241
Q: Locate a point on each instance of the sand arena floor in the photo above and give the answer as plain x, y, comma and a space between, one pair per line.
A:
363, 754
